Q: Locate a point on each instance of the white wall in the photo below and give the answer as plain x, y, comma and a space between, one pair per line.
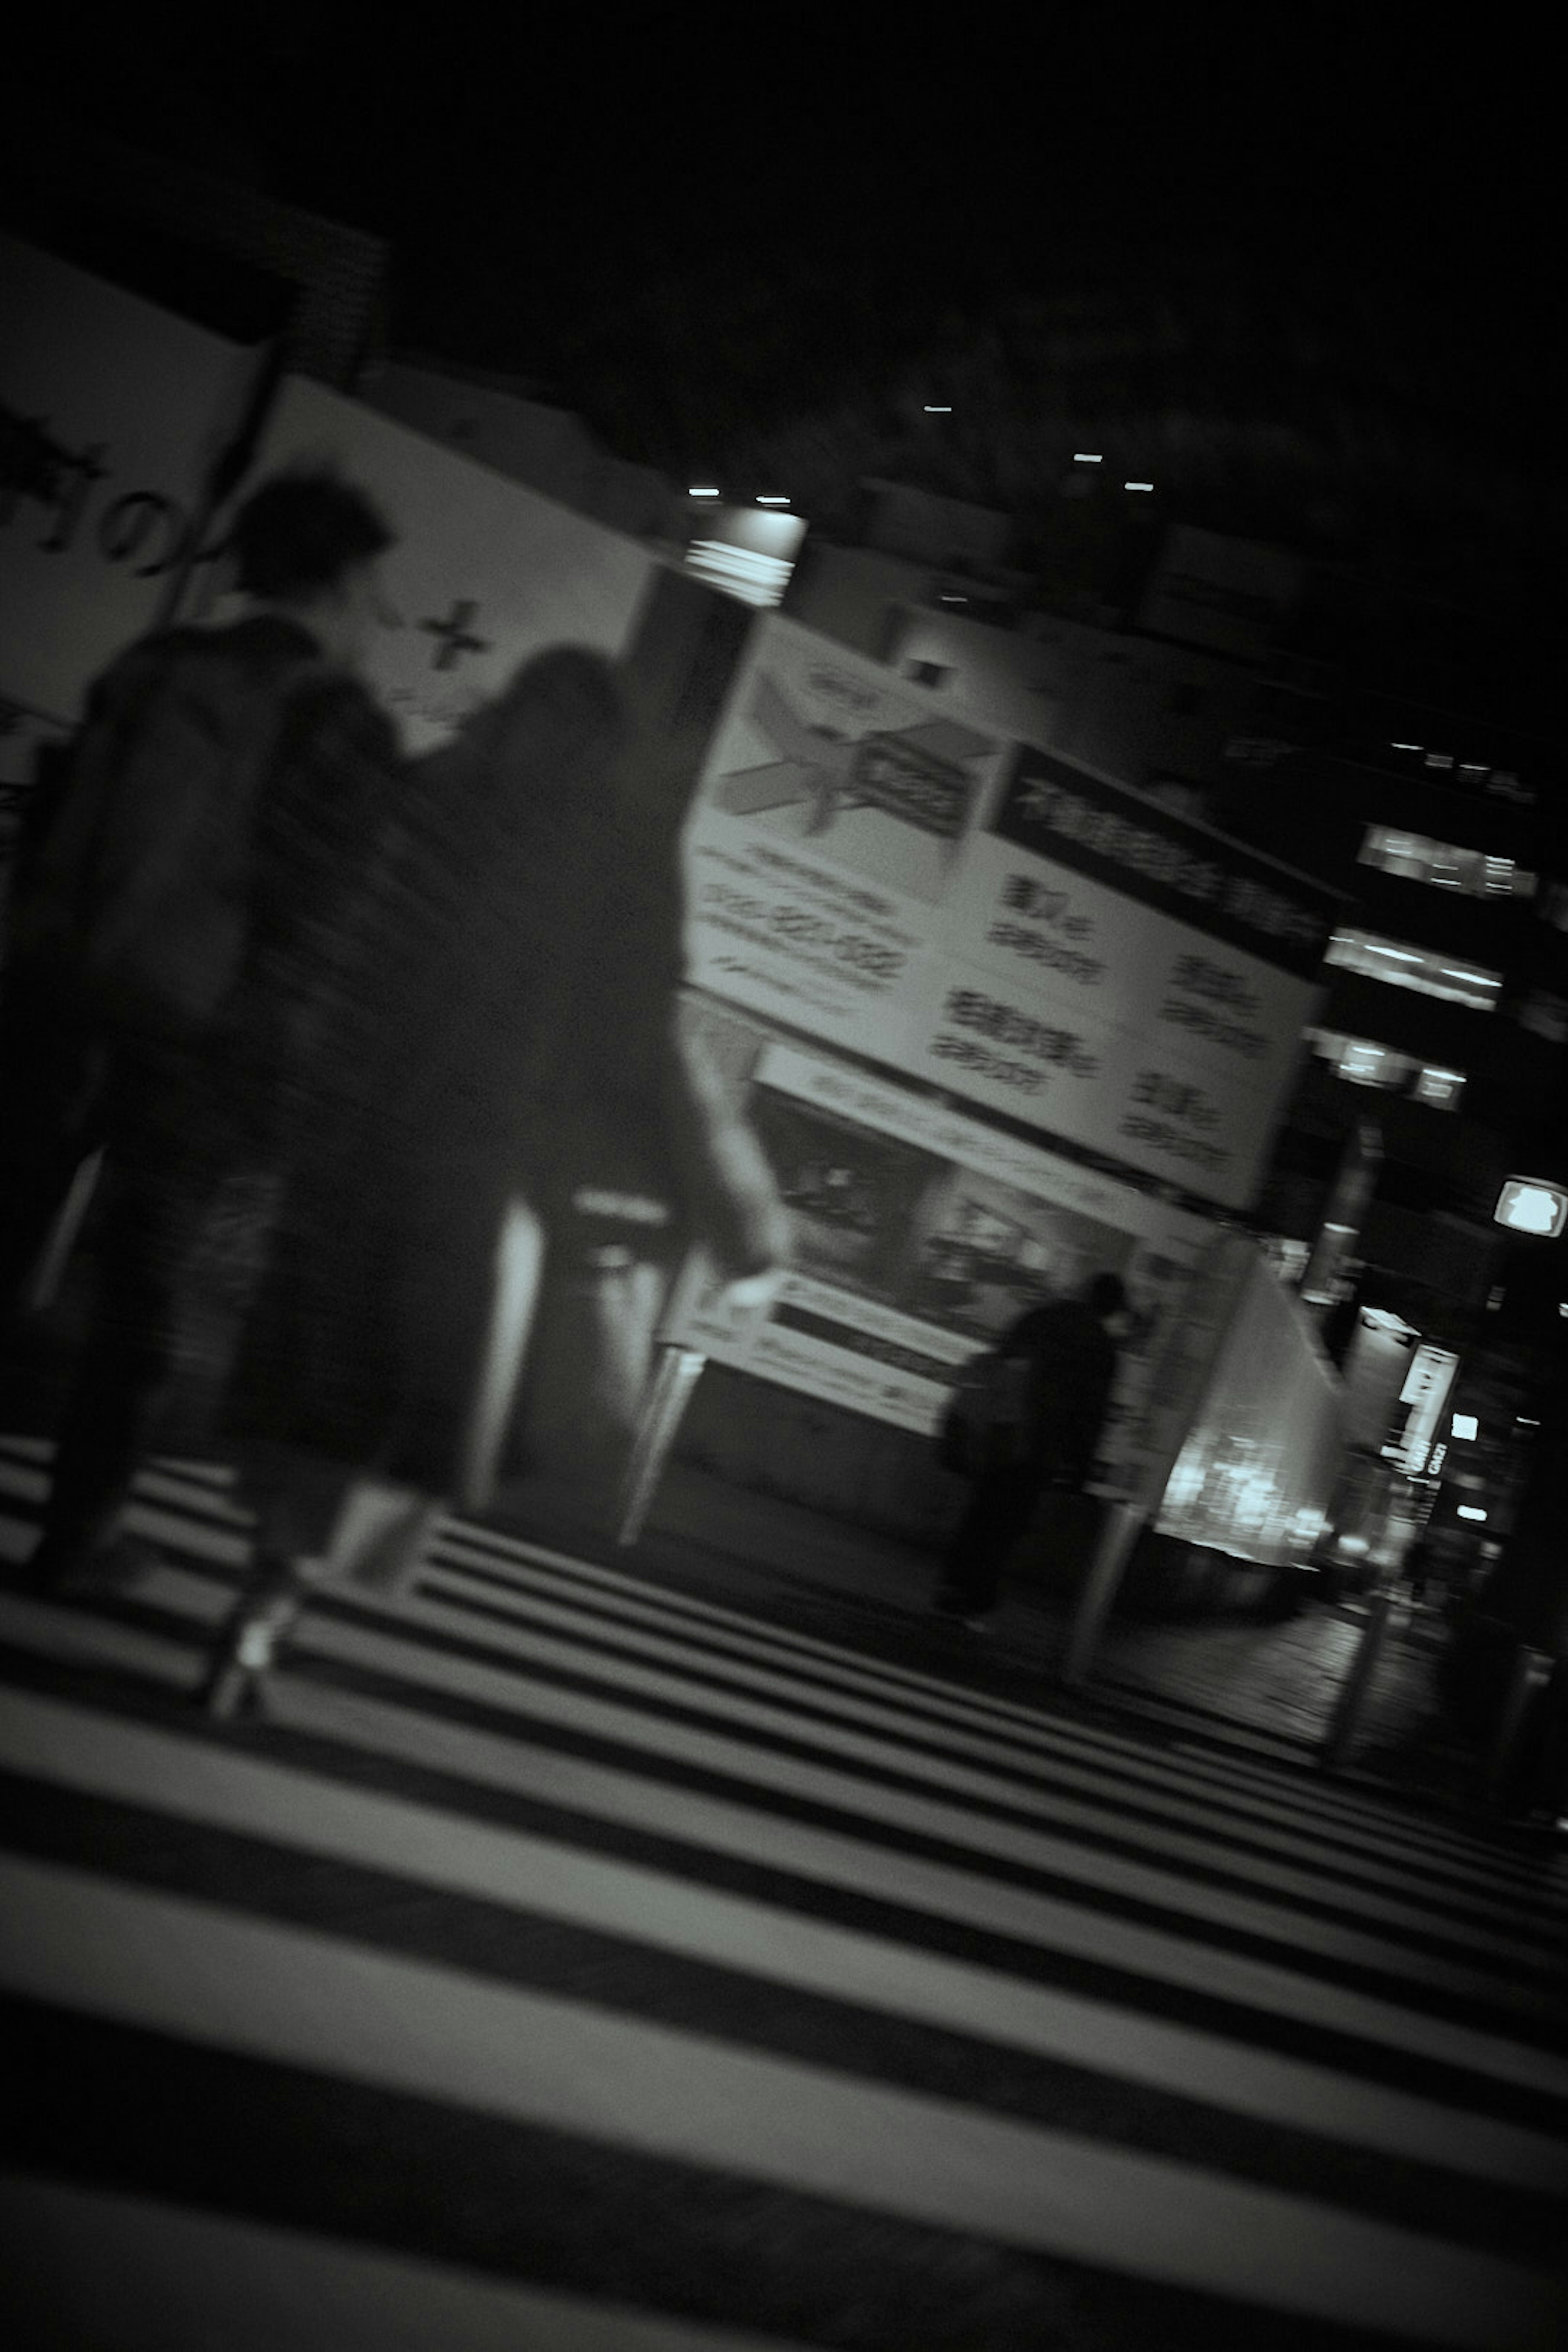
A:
1100, 695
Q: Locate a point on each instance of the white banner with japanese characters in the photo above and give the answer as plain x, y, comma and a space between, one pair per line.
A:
893, 878
112, 413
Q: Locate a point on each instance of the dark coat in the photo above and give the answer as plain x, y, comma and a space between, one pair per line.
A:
1072, 1364
199, 824
502, 1025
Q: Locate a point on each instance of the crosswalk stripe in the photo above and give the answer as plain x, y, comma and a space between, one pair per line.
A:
1341, 1811
514, 1676
207, 2279
858, 1863
1064, 1810
70, 1745
177, 1967
1067, 1924
1333, 1814
548, 1850
946, 1743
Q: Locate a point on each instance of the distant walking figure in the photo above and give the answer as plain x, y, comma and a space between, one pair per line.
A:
1028, 1417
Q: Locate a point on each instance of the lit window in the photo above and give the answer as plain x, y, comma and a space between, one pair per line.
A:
1418, 968
1530, 1204
1442, 865
1362, 1062
1441, 1088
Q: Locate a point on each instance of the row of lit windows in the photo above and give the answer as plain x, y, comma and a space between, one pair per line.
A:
1442, 865
1501, 782
1431, 971
1363, 1063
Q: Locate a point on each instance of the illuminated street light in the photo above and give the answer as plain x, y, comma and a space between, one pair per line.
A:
1471, 1511
773, 498
937, 412
701, 494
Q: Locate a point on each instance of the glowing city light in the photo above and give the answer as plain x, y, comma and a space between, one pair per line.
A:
1082, 457
1465, 1425
1137, 486
701, 494
773, 499
1530, 1204
937, 412
1471, 1511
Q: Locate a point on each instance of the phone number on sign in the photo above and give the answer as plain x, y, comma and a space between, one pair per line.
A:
801, 928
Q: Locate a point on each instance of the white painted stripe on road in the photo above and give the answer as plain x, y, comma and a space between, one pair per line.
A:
1335, 1814
1527, 1888
179, 1968
1058, 1925
138, 1764
1095, 1809
634, 1800
81, 2259
356, 1640
78, 1638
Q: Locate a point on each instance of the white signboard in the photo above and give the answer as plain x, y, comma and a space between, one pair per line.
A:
485, 571
918, 1235
113, 411
1426, 1391
996, 920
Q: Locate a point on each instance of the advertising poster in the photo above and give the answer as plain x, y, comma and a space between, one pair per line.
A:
485, 573
918, 1235
996, 920
112, 412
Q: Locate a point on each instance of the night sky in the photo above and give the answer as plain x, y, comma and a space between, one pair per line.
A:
744, 214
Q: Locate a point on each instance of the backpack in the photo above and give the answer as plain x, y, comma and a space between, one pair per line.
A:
137, 895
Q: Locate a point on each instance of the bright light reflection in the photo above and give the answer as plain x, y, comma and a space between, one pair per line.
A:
1470, 1511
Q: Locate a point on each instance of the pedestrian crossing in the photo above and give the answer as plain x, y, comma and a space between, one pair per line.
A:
566, 1960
